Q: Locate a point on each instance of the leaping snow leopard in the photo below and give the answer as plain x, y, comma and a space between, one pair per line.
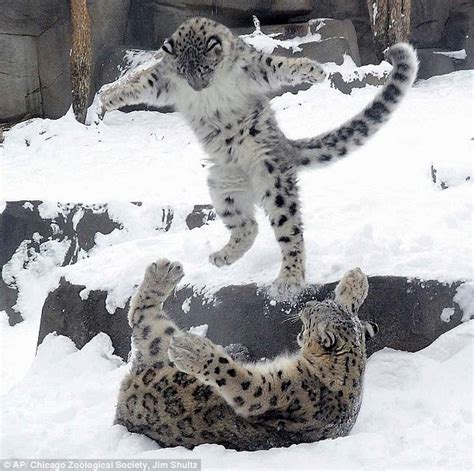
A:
220, 85
185, 390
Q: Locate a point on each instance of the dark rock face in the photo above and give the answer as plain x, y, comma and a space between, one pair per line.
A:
83, 319
407, 312
428, 21
34, 52
22, 222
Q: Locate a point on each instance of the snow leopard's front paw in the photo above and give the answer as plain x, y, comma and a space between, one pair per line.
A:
352, 290
161, 277
96, 111
190, 353
313, 72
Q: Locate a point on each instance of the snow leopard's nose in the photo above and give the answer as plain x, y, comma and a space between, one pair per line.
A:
197, 83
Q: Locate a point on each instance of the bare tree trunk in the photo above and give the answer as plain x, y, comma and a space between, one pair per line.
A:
80, 62
390, 21
399, 24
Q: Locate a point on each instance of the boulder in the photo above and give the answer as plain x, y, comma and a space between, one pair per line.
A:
146, 28
408, 312
432, 64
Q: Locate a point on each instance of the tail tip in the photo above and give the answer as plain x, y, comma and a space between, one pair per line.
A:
402, 53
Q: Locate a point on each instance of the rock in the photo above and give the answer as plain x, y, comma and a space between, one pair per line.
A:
329, 28
428, 19
408, 312
27, 18
357, 12
147, 29
34, 53
459, 33
53, 60
336, 39
22, 221
337, 81
19, 79
433, 64
32, 223
84, 318
201, 215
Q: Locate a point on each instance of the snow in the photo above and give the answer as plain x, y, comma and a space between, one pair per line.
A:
465, 298
65, 407
377, 209
460, 55
447, 313
267, 43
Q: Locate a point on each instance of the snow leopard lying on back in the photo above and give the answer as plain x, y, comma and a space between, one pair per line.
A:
219, 83
185, 390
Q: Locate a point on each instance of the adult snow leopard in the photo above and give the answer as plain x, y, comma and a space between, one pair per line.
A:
219, 83
185, 390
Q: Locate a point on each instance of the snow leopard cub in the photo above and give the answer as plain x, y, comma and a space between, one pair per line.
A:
220, 85
185, 390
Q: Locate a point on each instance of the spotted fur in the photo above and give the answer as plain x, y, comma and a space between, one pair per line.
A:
220, 85
185, 390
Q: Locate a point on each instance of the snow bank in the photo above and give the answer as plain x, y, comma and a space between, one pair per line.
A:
65, 407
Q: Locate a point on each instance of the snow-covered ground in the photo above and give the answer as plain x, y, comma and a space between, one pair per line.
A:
416, 413
378, 209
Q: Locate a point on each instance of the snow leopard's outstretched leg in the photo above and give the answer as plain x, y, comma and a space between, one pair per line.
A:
247, 390
333, 145
147, 84
269, 72
152, 330
232, 200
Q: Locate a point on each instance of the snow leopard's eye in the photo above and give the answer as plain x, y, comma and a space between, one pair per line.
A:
168, 46
212, 42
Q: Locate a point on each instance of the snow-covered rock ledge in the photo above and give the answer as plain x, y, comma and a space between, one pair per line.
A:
39, 236
411, 314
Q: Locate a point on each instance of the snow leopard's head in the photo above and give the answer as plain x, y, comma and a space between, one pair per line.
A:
197, 49
329, 329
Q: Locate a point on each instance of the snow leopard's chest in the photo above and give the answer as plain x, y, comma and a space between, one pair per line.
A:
230, 125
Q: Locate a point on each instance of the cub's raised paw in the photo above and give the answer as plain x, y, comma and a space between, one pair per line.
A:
161, 277
352, 290
314, 73
190, 353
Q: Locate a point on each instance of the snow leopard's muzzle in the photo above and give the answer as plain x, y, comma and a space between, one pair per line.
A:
197, 82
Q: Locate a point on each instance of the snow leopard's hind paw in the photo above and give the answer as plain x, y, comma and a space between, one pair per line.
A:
287, 288
352, 290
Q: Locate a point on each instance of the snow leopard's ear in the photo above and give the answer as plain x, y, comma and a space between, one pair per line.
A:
168, 46
213, 43
371, 329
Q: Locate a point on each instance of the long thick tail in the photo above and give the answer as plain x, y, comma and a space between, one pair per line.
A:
332, 145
